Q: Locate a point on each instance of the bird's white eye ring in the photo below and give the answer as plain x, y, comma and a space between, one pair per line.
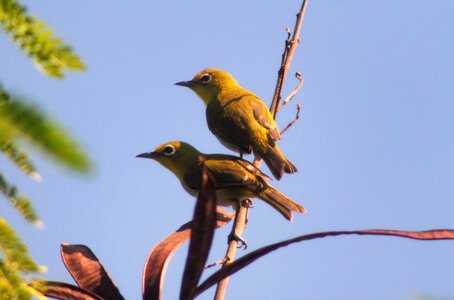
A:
169, 150
205, 78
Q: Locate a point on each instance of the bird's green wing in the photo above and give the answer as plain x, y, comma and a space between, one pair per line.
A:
228, 172
246, 165
264, 117
228, 128
231, 173
253, 169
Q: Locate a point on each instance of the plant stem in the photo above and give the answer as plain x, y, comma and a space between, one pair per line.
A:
242, 213
287, 56
239, 225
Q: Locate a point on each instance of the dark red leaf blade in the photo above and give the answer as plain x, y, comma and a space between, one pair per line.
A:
88, 272
202, 233
228, 270
64, 291
159, 257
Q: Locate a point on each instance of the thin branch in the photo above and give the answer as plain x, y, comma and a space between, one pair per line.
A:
287, 56
294, 92
218, 262
242, 213
238, 226
298, 110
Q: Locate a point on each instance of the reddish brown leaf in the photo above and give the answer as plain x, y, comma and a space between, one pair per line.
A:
202, 233
88, 272
159, 257
228, 270
64, 291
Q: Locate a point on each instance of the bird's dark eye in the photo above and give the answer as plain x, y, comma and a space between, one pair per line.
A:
205, 78
169, 150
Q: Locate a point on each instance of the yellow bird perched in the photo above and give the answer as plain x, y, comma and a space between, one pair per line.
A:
239, 119
236, 179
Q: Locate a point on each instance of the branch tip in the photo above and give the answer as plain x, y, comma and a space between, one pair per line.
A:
298, 110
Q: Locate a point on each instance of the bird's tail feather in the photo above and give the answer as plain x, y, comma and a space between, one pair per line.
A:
277, 162
281, 203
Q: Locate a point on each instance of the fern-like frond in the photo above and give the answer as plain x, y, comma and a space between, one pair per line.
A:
14, 250
20, 159
19, 120
11, 284
20, 202
49, 53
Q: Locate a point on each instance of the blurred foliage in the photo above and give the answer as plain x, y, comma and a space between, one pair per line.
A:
19, 202
49, 53
15, 261
21, 122
20, 159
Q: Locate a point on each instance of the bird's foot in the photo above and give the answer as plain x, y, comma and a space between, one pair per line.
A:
247, 203
233, 236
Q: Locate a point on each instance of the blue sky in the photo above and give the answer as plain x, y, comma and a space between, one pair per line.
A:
374, 145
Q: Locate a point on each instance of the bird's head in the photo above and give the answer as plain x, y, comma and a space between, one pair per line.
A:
176, 156
208, 83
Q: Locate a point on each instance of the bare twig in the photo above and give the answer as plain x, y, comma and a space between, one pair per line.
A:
298, 110
238, 227
287, 56
241, 217
218, 262
294, 92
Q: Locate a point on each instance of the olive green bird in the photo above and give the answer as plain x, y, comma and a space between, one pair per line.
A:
239, 119
236, 179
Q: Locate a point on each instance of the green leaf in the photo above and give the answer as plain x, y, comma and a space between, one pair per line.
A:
19, 120
20, 159
49, 53
15, 266
11, 285
21, 203
15, 252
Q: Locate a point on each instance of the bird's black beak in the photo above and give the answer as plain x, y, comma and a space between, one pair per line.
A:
189, 83
147, 155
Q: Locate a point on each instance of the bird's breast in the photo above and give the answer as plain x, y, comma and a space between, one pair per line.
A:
190, 191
